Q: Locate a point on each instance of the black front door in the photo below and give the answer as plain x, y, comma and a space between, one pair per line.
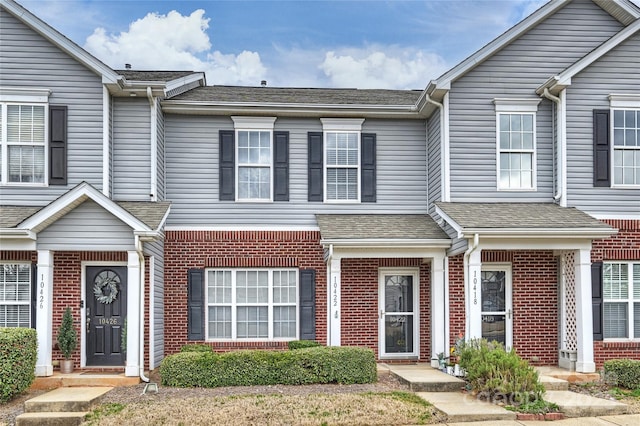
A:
106, 315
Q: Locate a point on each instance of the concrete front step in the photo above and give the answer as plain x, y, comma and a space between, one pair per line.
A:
463, 407
574, 404
66, 399
554, 384
51, 419
424, 378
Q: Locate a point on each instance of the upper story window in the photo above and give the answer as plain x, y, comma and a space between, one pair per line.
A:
626, 146
516, 143
254, 154
23, 140
252, 304
15, 295
621, 300
342, 159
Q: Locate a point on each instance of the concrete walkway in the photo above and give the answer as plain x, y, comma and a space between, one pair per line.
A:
446, 394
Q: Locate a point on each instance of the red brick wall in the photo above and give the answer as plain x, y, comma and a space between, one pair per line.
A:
360, 302
231, 249
624, 246
535, 301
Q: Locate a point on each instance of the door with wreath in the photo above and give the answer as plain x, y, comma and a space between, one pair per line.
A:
106, 313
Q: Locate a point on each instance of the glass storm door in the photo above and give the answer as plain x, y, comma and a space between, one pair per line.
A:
398, 315
497, 323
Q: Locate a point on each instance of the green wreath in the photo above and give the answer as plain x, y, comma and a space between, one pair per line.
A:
112, 288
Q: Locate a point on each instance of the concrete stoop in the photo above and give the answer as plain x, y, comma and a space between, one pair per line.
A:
424, 378
62, 406
574, 404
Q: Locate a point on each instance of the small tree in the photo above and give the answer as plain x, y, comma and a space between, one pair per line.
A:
67, 338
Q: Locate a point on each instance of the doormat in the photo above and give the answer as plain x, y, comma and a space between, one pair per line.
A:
102, 373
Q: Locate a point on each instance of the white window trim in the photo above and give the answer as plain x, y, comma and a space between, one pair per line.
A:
519, 107
620, 102
630, 301
253, 124
4, 144
233, 304
21, 303
341, 125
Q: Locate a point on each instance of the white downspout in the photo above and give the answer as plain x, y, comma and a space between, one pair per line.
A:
560, 143
153, 167
467, 272
141, 310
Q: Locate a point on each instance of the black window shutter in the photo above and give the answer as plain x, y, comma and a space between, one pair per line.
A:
596, 300
34, 293
368, 167
195, 304
227, 165
316, 172
57, 145
601, 148
281, 166
307, 304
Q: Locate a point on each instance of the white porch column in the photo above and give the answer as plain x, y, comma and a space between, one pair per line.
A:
44, 312
474, 295
439, 300
584, 313
334, 301
132, 368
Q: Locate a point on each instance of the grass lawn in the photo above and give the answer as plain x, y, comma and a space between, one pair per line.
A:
371, 408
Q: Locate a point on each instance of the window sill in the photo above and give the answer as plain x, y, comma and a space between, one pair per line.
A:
621, 344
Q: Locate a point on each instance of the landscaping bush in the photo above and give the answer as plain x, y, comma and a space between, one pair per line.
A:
345, 365
302, 344
496, 374
623, 372
196, 347
18, 353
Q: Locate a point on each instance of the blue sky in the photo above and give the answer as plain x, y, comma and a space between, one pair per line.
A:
338, 43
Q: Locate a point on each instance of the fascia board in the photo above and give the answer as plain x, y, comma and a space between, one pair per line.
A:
538, 232
498, 43
384, 242
81, 55
178, 82
16, 233
456, 227
75, 197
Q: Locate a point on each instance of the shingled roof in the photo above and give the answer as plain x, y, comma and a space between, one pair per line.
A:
158, 76
307, 96
379, 226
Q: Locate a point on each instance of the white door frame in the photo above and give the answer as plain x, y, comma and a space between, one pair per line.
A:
508, 295
415, 274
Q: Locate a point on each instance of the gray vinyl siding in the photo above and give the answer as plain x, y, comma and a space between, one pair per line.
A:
131, 149
87, 227
160, 150
433, 159
30, 61
156, 249
515, 72
191, 144
590, 90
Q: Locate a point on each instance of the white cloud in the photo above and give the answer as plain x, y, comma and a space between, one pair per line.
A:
174, 42
382, 67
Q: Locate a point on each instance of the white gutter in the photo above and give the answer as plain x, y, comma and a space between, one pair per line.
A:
559, 196
384, 242
153, 190
138, 244
467, 272
539, 232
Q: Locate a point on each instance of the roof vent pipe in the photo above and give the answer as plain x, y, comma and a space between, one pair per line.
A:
263, 83
127, 66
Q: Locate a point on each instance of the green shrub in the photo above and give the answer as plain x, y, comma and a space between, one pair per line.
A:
196, 347
345, 365
623, 372
496, 374
18, 353
302, 344
67, 337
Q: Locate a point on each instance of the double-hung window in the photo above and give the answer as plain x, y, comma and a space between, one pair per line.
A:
342, 159
626, 146
516, 143
23, 140
252, 304
621, 300
15, 295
